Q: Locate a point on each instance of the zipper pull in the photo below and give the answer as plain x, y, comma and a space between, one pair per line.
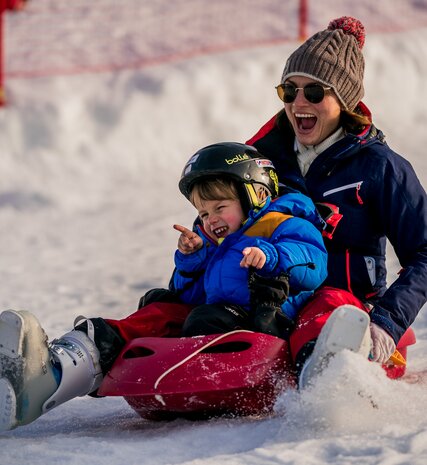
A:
359, 199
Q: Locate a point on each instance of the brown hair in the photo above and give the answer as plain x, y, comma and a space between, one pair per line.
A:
214, 189
353, 121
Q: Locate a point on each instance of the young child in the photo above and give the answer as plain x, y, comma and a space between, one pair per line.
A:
243, 229
256, 232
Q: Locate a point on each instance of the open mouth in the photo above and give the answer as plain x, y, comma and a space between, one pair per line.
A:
220, 232
305, 121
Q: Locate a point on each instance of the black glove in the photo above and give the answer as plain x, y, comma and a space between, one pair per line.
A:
267, 295
158, 295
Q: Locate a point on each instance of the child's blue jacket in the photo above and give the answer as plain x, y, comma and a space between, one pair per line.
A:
284, 229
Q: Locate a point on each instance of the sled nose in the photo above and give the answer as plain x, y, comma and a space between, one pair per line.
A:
235, 372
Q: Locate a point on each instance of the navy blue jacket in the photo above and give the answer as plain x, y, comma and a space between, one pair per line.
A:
380, 197
284, 230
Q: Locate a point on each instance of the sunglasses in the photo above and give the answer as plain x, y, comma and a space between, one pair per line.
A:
313, 92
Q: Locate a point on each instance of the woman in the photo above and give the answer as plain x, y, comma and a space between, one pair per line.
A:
324, 144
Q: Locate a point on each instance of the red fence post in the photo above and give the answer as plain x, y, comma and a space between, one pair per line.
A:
303, 17
2, 10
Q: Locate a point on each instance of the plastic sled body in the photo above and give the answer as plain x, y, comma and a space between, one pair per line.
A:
238, 373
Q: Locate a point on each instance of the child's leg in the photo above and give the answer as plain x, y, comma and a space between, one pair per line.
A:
215, 319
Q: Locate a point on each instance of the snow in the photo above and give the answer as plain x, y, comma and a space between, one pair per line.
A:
88, 196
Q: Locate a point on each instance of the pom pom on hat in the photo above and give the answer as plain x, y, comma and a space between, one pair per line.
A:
351, 26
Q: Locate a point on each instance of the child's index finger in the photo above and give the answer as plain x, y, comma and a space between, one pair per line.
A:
183, 230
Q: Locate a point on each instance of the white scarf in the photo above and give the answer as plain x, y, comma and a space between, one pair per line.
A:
307, 153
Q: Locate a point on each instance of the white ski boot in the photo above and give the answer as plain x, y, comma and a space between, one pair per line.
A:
28, 385
346, 328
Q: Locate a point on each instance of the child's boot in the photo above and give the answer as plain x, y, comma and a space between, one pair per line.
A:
36, 376
346, 328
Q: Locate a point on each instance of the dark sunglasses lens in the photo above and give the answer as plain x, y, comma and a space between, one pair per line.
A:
314, 93
289, 93
280, 91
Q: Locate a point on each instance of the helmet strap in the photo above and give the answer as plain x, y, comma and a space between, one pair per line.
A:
254, 202
253, 198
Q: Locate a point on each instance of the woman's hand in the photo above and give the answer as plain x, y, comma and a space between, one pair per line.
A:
188, 242
253, 256
383, 345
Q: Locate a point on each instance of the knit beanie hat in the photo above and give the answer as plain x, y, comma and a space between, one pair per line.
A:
334, 58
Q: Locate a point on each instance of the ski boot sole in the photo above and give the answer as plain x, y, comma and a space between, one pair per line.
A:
7, 406
11, 334
25, 368
11, 365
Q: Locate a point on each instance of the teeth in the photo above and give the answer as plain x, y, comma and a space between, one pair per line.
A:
304, 115
220, 230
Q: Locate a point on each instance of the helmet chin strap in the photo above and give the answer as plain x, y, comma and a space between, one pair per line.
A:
253, 198
254, 201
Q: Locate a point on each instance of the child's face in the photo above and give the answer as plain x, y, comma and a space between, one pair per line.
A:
220, 217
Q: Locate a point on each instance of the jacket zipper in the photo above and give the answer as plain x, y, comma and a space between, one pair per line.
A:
357, 185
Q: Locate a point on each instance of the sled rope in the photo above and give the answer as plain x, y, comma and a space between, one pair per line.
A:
193, 354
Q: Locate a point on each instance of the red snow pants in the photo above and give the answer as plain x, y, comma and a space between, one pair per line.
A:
158, 319
316, 311
165, 319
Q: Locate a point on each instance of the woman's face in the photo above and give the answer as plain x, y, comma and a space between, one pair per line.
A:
312, 122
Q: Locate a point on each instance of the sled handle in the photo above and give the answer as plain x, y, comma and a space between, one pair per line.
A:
193, 354
397, 359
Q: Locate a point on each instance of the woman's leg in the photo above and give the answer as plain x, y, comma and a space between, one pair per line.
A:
36, 376
313, 317
160, 314
157, 319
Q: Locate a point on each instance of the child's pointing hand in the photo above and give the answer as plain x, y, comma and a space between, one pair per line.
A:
189, 241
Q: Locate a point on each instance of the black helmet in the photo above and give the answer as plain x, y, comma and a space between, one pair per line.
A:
254, 174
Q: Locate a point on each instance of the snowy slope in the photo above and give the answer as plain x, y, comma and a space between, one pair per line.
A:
88, 196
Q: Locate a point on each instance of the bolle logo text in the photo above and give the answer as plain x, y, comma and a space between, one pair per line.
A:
236, 159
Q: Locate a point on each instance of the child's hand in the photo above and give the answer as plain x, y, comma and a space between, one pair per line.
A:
253, 256
189, 241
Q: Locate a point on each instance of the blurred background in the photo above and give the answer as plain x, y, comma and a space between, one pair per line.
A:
57, 37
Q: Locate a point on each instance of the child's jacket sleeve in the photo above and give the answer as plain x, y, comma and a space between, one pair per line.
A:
290, 239
296, 246
188, 277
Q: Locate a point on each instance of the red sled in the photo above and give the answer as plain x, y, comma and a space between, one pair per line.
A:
397, 370
237, 373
